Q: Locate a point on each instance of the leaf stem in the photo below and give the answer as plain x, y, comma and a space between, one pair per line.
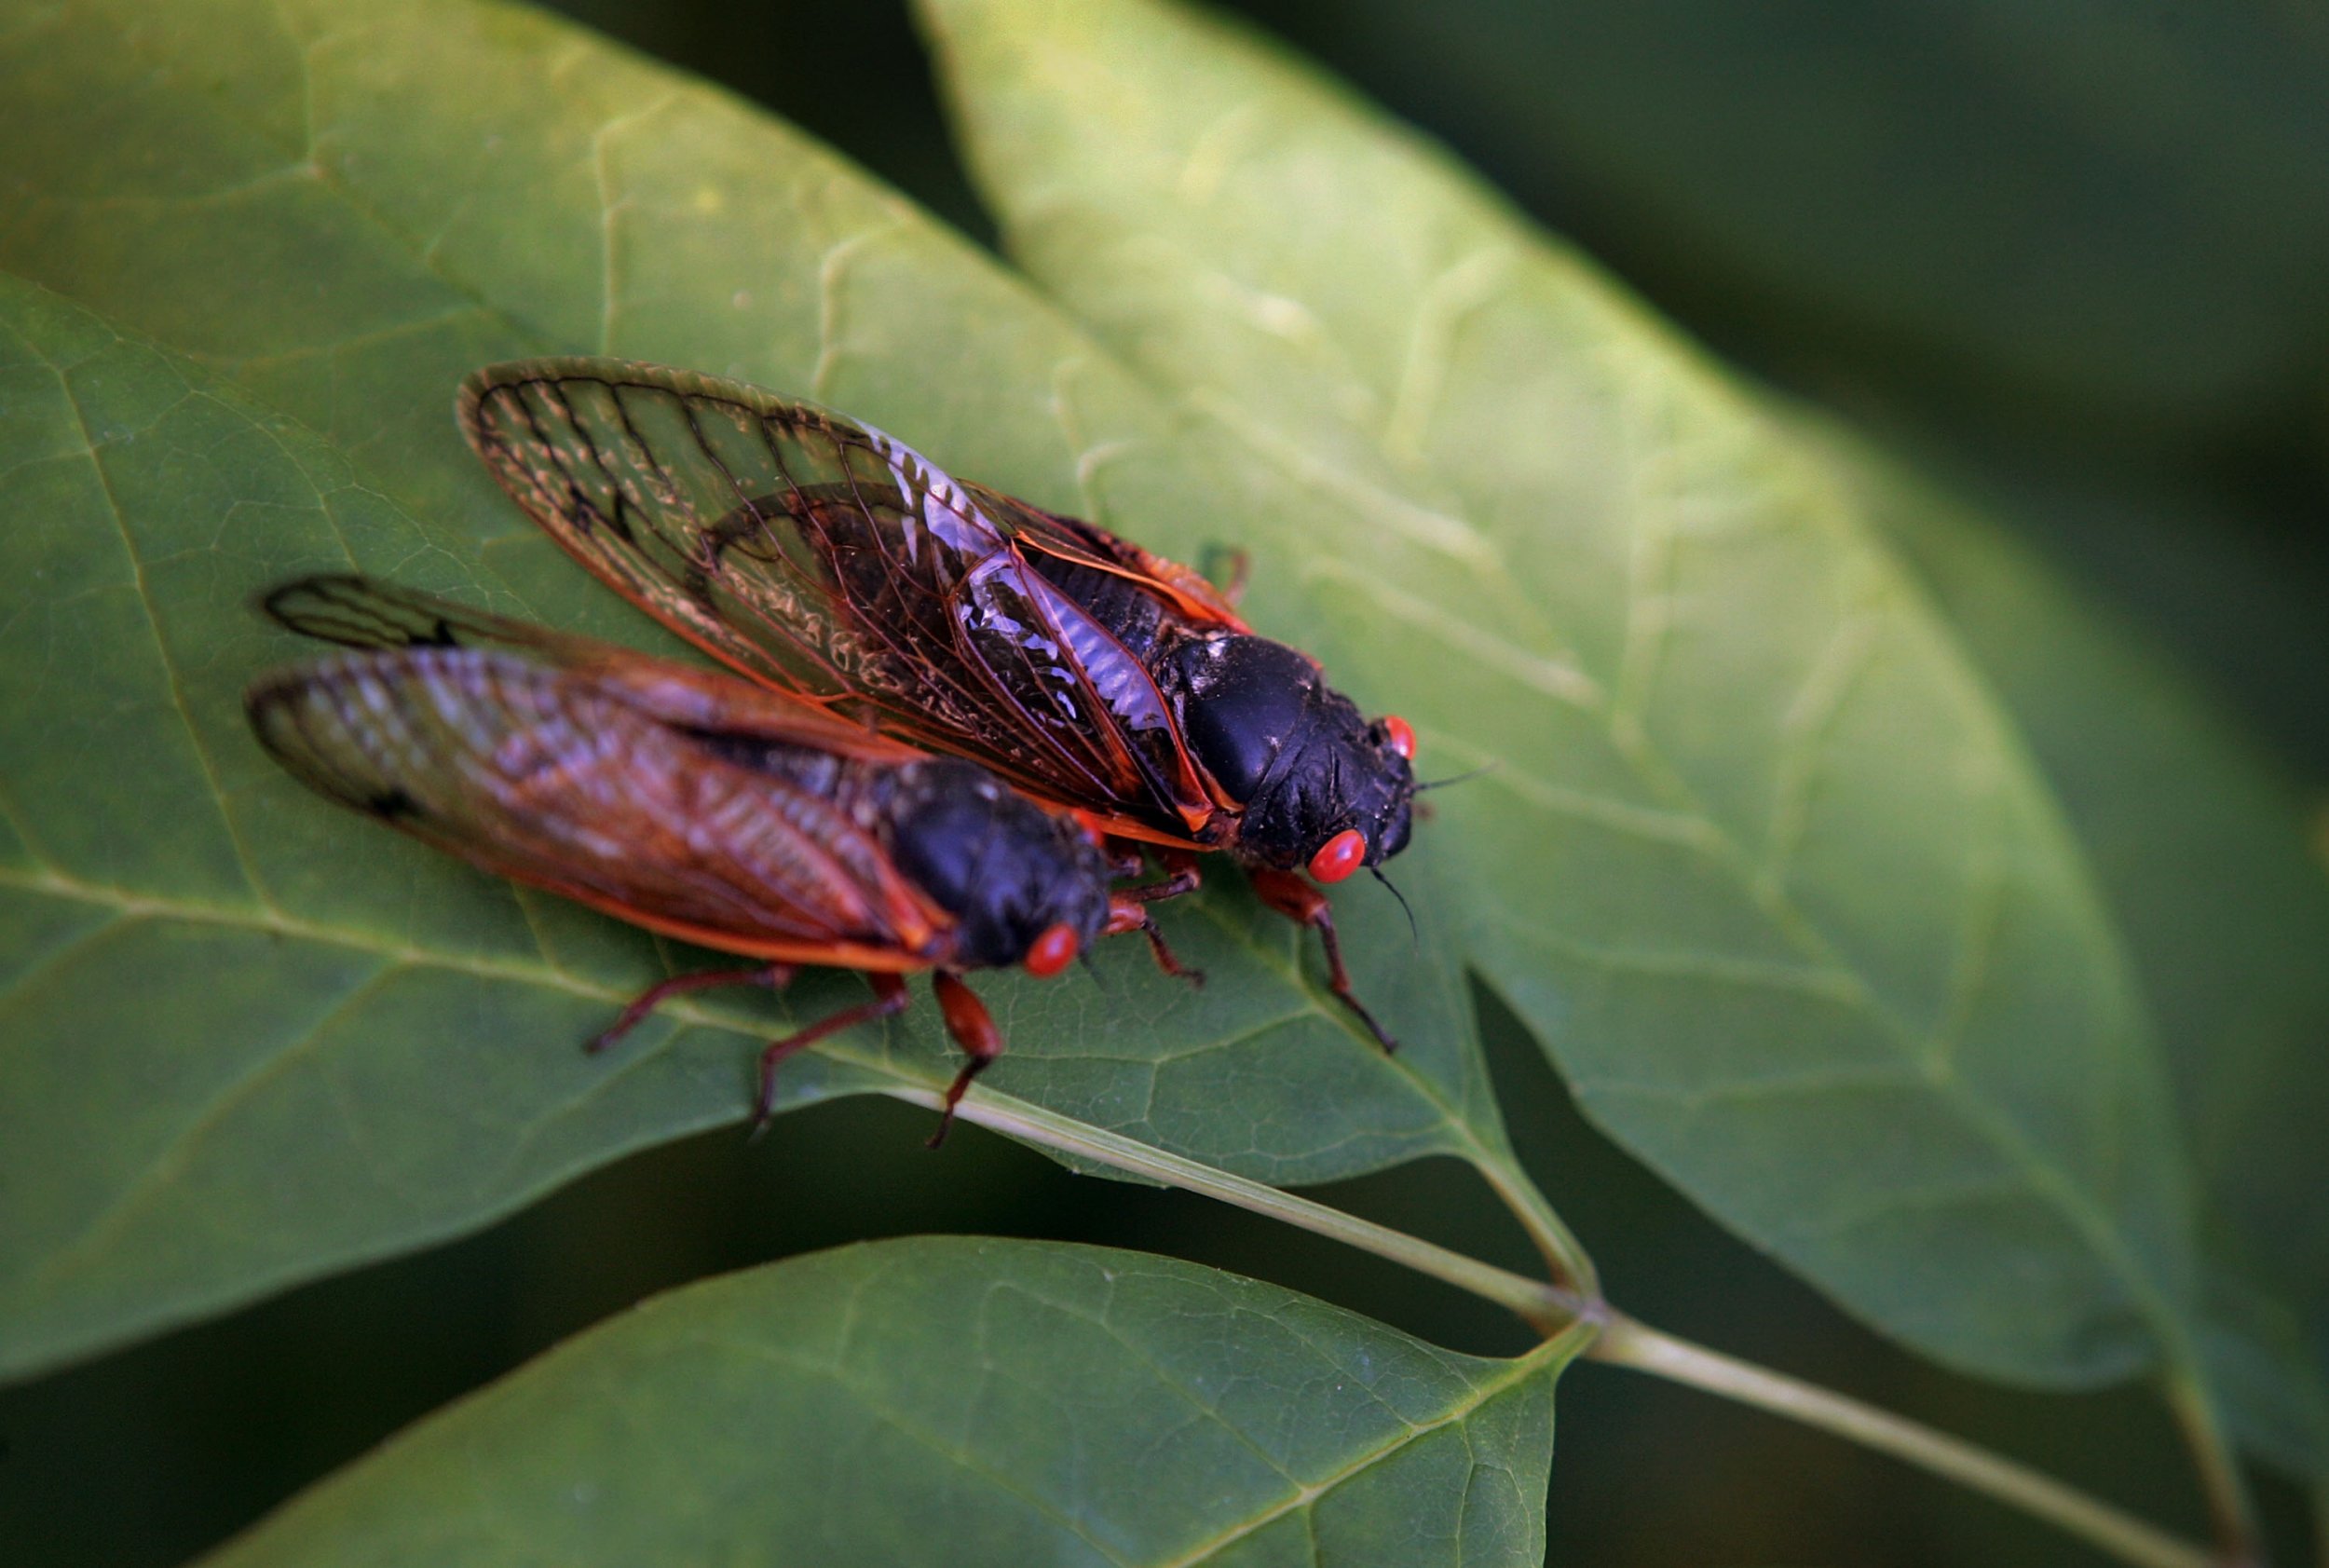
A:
1565, 1316
1571, 1267
1626, 1343
2230, 1506
1545, 1307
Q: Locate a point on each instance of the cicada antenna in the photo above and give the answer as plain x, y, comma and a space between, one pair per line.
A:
1414, 935
1456, 778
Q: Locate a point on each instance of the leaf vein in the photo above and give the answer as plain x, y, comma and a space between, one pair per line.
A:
1512, 1373
174, 1156
162, 645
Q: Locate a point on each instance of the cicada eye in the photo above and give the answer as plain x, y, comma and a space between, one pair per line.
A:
1401, 735
1339, 855
1051, 952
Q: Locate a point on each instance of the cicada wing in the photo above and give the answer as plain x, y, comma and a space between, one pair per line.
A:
366, 613
549, 777
1178, 593
824, 557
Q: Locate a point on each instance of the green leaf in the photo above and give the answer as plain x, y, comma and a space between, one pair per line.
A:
959, 1401
1760, 858
2202, 848
251, 1038
2086, 214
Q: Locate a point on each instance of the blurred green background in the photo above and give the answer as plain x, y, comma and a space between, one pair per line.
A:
2075, 258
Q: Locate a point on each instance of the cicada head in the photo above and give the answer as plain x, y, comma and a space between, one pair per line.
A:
1321, 786
1344, 798
1025, 886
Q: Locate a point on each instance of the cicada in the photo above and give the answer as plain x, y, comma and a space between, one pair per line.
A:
826, 559
686, 801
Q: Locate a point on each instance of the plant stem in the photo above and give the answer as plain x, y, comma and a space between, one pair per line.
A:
2228, 1503
1626, 1343
1571, 1267
1544, 1307
1564, 1317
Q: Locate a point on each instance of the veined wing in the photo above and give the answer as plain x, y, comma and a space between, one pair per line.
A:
364, 612
548, 776
1178, 593
825, 557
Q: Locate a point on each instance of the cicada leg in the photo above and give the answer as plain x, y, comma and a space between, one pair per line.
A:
974, 1030
776, 976
1127, 913
1180, 878
1298, 901
1229, 567
888, 998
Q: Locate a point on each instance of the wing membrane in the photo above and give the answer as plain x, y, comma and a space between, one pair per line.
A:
825, 558
1177, 590
365, 613
554, 778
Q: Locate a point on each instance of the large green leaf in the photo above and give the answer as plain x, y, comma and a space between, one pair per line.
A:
2202, 848
249, 1037
959, 1401
1760, 858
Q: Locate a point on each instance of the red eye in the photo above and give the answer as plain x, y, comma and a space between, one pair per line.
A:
1051, 952
1401, 735
1339, 855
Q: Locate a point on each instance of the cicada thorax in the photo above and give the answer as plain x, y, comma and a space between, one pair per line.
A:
1003, 872
1291, 762
1007, 871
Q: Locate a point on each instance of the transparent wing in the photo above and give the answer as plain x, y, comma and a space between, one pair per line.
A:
825, 558
364, 612
545, 775
1178, 593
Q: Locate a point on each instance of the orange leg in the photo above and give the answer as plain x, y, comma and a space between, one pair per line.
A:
1181, 877
1304, 904
1231, 568
1127, 913
889, 997
776, 976
974, 1030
